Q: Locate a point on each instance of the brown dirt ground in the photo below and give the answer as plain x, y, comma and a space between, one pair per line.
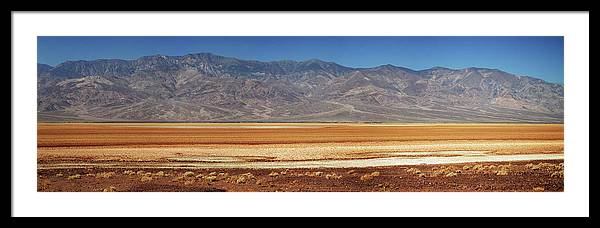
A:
520, 176
89, 143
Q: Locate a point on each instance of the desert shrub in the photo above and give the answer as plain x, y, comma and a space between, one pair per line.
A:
273, 174
443, 170
284, 172
543, 165
73, 177
413, 171
249, 176
332, 176
110, 189
466, 167
146, 178
105, 175
188, 174
319, 174
502, 172
258, 182
210, 178
366, 177
557, 174
451, 174
240, 180
505, 166
243, 178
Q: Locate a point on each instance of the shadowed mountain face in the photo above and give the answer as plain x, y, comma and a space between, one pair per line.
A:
207, 87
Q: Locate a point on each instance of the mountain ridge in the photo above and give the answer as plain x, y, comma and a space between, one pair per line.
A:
209, 87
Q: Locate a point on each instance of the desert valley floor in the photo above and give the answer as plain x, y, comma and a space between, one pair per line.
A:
299, 157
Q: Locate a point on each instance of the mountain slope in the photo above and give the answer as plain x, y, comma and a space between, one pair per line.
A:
208, 87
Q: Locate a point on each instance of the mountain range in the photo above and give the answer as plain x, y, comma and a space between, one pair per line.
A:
212, 88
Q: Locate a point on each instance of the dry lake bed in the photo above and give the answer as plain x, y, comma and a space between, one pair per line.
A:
271, 157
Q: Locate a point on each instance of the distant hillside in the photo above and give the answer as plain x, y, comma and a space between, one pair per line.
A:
208, 87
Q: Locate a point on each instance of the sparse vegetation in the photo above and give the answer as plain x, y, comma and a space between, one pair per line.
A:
442, 170
73, 177
373, 179
366, 177
545, 166
478, 167
333, 176
243, 178
110, 189
210, 178
127, 171
451, 174
146, 178
413, 171
502, 172
105, 175
557, 174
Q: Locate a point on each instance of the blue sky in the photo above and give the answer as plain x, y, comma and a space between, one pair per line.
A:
536, 56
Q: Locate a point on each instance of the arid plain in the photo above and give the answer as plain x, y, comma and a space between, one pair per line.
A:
299, 157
